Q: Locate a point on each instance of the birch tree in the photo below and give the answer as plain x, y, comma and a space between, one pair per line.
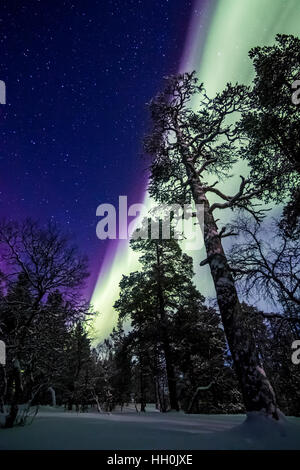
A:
38, 261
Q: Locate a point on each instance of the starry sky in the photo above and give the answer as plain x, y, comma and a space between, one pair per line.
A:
78, 75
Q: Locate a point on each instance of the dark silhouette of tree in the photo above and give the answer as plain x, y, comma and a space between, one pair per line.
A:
154, 294
39, 261
271, 125
267, 264
207, 383
185, 147
121, 373
273, 336
76, 370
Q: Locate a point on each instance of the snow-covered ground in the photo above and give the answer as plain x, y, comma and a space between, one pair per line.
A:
56, 429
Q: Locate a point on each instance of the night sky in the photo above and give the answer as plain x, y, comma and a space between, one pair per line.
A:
78, 75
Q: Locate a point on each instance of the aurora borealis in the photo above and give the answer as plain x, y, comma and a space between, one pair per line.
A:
149, 229
219, 36
78, 75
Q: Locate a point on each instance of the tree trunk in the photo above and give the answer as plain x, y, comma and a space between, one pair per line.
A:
97, 402
53, 396
257, 391
157, 402
161, 404
171, 377
3, 387
143, 400
17, 394
143, 407
170, 374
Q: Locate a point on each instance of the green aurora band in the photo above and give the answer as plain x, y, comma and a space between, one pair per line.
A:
220, 55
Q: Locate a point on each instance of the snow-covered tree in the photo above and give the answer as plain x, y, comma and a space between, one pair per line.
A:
186, 146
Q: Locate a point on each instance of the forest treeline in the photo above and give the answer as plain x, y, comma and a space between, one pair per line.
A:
171, 346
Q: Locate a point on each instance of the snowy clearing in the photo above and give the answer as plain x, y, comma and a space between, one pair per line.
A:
54, 429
